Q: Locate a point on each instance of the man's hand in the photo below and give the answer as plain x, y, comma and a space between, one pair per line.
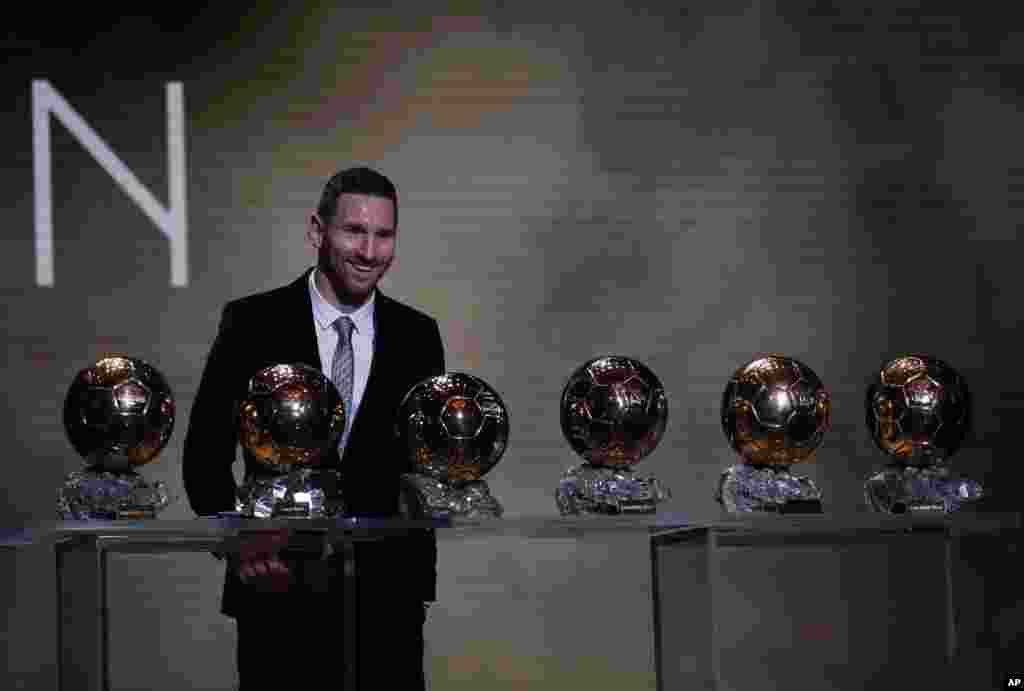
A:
257, 564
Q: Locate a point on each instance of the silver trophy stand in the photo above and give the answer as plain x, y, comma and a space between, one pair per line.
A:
427, 497
99, 494
897, 489
744, 488
300, 493
590, 489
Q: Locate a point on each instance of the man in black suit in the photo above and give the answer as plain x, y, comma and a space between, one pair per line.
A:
286, 628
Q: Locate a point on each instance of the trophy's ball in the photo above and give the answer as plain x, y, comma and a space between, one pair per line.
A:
454, 427
291, 417
613, 411
775, 411
918, 409
119, 413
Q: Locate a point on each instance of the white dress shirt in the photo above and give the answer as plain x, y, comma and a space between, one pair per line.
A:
324, 316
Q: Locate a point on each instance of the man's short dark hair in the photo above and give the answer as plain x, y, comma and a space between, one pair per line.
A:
359, 180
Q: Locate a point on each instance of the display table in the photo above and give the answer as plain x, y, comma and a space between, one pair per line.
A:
82, 551
814, 602
804, 602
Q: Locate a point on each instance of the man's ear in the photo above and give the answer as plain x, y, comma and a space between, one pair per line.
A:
315, 230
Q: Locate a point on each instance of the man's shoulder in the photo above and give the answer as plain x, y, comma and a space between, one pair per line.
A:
399, 311
257, 302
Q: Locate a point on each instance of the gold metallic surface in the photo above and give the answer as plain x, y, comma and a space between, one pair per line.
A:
901, 370
917, 409
292, 417
454, 427
119, 413
775, 411
613, 411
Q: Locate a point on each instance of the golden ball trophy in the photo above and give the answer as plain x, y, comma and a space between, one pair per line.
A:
775, 412
118, 415
918, 411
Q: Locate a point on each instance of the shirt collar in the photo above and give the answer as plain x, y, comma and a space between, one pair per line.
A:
326, 314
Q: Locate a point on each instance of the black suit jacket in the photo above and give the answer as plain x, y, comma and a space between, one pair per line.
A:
277, 327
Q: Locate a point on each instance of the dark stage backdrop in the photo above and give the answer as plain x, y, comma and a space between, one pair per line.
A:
686, 183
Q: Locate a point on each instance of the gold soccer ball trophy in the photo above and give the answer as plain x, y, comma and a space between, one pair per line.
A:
775, 412
613, 414
118, 415
455, 428
288, 423
918, 411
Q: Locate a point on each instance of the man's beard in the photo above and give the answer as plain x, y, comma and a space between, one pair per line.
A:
333, 273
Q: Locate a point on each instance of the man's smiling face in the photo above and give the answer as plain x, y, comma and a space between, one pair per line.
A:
358, 246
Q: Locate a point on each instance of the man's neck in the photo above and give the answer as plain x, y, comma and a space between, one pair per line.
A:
326, 288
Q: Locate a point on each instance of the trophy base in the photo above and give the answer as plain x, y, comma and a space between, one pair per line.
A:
919, 490
589, 489
302, 493
425, 497
97, 494
744, 488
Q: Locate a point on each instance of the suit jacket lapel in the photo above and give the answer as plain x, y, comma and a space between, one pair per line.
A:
380, 325
377, 370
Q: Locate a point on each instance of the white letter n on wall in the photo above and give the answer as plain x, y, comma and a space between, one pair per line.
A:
172, 220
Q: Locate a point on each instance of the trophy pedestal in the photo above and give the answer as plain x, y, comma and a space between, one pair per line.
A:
744, 488
589, 489
302, 493
427, 497
919, 490
106, 495
842, 603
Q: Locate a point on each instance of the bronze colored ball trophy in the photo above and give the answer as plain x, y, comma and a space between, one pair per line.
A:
118, 415
454, 427
289, 422
918, 411
613, 414
775, 412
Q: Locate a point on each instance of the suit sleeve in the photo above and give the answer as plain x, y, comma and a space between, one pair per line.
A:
211, 440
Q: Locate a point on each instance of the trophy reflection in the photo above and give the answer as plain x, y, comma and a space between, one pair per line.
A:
775, 412
118, 415
613, 413
289, 422
454, 427
918, 412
